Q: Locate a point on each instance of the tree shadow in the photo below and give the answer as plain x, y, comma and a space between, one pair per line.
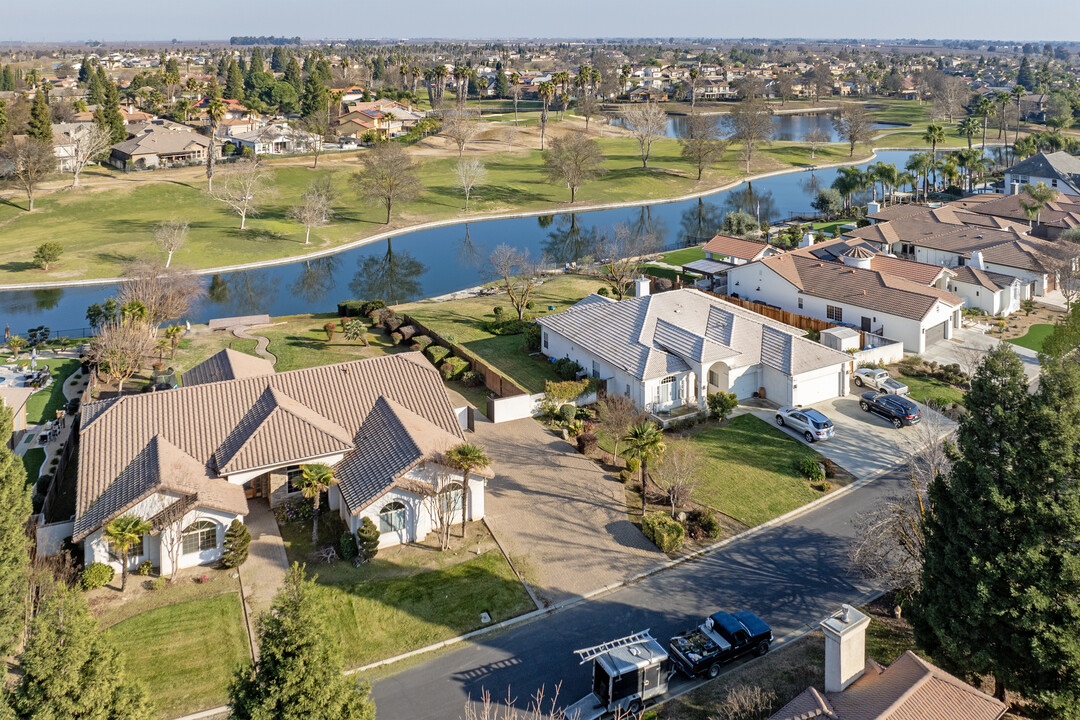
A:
18, 266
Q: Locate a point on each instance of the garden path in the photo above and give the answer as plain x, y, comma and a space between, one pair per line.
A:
263, 573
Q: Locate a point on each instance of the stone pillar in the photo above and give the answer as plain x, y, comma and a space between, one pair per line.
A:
845, 648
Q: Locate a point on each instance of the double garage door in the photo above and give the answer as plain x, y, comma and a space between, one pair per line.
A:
818, 389
935, 334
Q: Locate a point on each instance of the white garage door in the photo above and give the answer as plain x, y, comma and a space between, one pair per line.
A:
745, 385
777, 386
818, 389
935, 334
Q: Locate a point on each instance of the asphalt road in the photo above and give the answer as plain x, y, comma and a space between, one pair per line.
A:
792, 575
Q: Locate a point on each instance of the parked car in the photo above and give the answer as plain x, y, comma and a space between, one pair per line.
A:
898, 410
880, 380
812, 424
721, 638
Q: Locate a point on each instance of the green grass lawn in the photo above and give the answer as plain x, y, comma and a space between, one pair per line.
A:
926, 389
42, 405
684, 256
1035, 337
185, 654
299, 341
463, 320
33, 459
101, 229
750, 470
831, 228
196, 347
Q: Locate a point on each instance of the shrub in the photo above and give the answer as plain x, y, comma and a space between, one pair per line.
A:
721, 404
436, 354
96, 575
396, 338
294, 510
351, 308
145, 568
392, 323
625, 476
568, 413
810, 469
453, 368
584, 413
706, 522
421, 342
237, 539
347, 546
508, 327
367, 537
663, 531
533, 337
330, 328
633, 464
567, 369
379, 316
371, 306
159, 583
587, 443
575, 427
822, 485
663, 284
879, 365
603, 292
830, 468
500, 313
471, 378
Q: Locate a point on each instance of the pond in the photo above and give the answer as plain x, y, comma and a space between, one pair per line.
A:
785, 127
434, 262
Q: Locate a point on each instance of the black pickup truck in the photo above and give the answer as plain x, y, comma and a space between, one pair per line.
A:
722, 637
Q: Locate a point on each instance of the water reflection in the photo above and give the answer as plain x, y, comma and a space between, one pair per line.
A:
471, 254
569, 241
47, 299
316, 278
785, 127
395, 276
759, 203
700, 221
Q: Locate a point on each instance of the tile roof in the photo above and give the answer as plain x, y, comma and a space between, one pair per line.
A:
909, 689
983, 278
227, 365
735, 247
289, 414
1056, 164
660, 334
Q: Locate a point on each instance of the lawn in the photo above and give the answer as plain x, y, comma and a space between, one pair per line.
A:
1034, 338
831, 228
299, 341
750, 470
684, 256
185, 654
33, 459
103, 228
42, 405
927, 389
198, 346
463, 321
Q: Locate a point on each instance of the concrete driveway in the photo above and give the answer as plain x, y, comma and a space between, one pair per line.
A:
864, 444
967, 347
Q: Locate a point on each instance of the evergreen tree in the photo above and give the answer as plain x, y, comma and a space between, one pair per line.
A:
258, 63
237, 539
70, 670
278, 59
315, 99
223, 67
95, 91
294, 76
367, 538
85, 71
111, 116
3, 117
1025, 77
299, 672
14, 547
7, 79
40, 127
502, 85
234, 82
1000, 536
322, 69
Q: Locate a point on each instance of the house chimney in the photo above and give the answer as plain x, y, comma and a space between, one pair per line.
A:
807, 240
641, 287
845, 648
977, 261
872, 207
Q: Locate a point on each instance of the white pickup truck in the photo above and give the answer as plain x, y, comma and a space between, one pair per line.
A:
879, 380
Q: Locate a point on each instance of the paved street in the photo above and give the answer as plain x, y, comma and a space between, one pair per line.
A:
792, 574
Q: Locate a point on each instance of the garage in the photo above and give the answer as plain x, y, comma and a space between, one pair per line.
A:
936, 333
815, 389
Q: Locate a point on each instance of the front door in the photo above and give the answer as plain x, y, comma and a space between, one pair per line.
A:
866, 324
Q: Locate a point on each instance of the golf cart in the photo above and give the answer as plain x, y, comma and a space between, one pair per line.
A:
626, 673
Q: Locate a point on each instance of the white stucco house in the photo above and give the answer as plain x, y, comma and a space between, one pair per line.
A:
193, 459
993, 293
1057, 170
668, 351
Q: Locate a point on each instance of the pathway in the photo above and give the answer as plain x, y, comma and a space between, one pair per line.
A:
261, 342
267, 563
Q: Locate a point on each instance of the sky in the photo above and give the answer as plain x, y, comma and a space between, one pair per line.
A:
115, 20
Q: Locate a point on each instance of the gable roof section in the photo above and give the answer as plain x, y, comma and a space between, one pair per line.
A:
227, 365
983, 278
735, 247
1056, 164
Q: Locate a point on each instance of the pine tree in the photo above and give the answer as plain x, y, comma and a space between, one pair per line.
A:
223, 67
1025, 77
234, 82
299, 672
278, 59
14, 546
502, 85
3, 116
237, 539
257, 64
7, 79
111, 115
315, 99
85, 71
40, 126
367, 538
69, 667
293, 76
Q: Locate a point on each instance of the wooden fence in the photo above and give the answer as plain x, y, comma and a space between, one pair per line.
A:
494, 380
788, 318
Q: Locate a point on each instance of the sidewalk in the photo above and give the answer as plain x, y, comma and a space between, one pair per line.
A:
267, 563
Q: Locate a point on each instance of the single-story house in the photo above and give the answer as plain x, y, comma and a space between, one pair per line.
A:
1060, 214
852, 293
160, 143
1058, 170
670, 350
275, 139
193, 459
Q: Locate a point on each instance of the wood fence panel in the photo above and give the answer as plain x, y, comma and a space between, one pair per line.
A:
494, 380
788, 318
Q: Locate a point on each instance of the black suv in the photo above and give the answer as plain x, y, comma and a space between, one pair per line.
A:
895, 408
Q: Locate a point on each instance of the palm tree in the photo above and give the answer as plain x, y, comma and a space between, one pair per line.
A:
315, 479
124, 533
934, 134
968, 160
515, 80
1025, 148
461, 77
1018, 92
1040, 195
848, 181
16, 343
969, 128
985, 108
919, 164
481, 85
909, 179
466, 457
215, 111
694, 74
1002, 98
546, 91
440, 73
644, 441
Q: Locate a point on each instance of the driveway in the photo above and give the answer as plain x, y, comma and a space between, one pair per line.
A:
967, 347
559, 516
864, 444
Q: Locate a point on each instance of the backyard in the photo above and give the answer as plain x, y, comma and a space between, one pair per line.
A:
412, 595
33, 459
42, 405
1035, 336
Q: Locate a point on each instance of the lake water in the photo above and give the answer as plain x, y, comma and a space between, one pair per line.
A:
785, 127
434, 262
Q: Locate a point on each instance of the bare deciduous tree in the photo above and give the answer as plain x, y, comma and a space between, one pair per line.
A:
89, 142
647, 123
815, 139
25, 163
855, 124
677, 471
387, 175
119, 348
469, 174
170, 236
619, 254
510, 134
242, 186
313, 211
751, 127
616, 413
589, 107
574, 159
169, 524
316, 130
462, 128
702, 145
442, 501
519, 275
167, 293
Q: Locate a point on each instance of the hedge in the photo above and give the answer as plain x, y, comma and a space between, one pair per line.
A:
436, 354
421, 342
453, 368
663, 531
350, 308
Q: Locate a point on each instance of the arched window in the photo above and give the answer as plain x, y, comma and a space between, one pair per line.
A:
199, 536
392, 517
452, 497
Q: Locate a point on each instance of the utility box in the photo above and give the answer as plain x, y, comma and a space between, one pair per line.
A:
841, 338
